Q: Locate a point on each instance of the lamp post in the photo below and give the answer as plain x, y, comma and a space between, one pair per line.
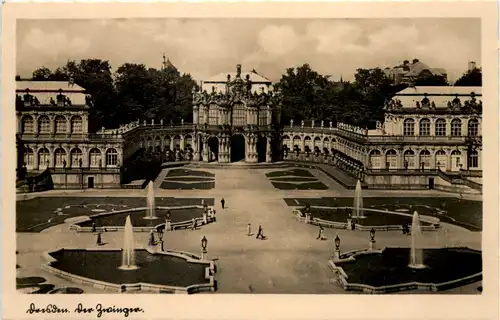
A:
372, 239
336, 255
204, 242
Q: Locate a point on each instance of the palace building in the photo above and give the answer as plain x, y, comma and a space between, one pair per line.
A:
431, 136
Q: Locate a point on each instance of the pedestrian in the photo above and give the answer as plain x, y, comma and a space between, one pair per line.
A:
99, 239
194, 224
320, 233
151, 238
222, 202
93, 226
249, 230
260, 233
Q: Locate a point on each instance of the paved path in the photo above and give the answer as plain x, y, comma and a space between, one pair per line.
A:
290, 260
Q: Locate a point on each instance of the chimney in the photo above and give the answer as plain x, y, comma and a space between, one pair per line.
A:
472, 65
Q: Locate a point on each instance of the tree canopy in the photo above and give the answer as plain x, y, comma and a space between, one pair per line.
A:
471, 78
132, 92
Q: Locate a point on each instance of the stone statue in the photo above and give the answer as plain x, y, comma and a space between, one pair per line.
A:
238, 70
312, 124
161, 122
152, 122
302, 124
331, 124
322, 123
291, 123
144, 122
182, 122
64, 163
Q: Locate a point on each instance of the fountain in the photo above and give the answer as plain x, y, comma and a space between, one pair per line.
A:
128, 254
358, 202
150, 213
416, 253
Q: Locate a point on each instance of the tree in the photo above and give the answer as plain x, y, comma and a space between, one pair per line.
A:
305, 94
471, 78
428, 79
42, 74
374, 89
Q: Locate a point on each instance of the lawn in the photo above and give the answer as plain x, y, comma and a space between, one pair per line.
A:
37, 214
294, 179
299, 186
187, 186
187, 179
371, 218
186, 172
137, 217
465, 213
292, 172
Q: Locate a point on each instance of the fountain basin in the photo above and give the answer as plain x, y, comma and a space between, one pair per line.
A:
379, 220
387, 270
158, 271
181, 217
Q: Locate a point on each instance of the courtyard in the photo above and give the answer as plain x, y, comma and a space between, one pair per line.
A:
290, 260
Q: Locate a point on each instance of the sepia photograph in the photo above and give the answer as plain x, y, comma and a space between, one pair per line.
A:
247, 155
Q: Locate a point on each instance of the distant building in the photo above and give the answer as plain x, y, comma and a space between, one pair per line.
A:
52, 133
408, 73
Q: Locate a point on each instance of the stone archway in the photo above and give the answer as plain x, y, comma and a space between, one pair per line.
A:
213, 149
237, 148
261, 149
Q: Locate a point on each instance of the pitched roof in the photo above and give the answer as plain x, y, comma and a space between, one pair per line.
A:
440, 90
22, 85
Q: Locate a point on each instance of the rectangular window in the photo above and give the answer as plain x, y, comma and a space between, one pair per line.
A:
213, 116
263, 117
239, 115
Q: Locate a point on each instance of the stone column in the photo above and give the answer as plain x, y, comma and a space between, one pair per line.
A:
182, 143
205, 148
196, 147
268, 149
172, 143
195, 114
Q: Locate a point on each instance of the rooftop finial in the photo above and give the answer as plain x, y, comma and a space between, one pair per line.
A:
164, 63
238, 70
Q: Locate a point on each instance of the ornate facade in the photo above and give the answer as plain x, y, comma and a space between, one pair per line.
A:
431, 136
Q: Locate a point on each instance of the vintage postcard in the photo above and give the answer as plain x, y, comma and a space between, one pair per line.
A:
250, 160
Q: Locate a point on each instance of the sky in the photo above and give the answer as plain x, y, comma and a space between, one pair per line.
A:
206, 47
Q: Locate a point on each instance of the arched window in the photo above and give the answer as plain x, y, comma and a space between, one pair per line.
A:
150, 144
456, 127
59, 157
76, 158
43, 158
111, 157
287, 142
391, 159
95, 158
473, 128
43, 124
29, 158
441, 159
409, 159
239, 116
166, 143
326, 143
425, 159
425, 127
61, 126
297, 142
456, 162
473, 159
76, 124
317, 142
375, 159
177, 142
157, 144
308, 142
409, 127
188, 141
27, 124
440, 127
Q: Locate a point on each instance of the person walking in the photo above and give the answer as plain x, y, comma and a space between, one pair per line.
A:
321, 233
222, 202
249, 230
260, 233
193, 227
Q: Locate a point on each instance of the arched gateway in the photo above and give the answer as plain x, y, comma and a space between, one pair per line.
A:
233, 118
